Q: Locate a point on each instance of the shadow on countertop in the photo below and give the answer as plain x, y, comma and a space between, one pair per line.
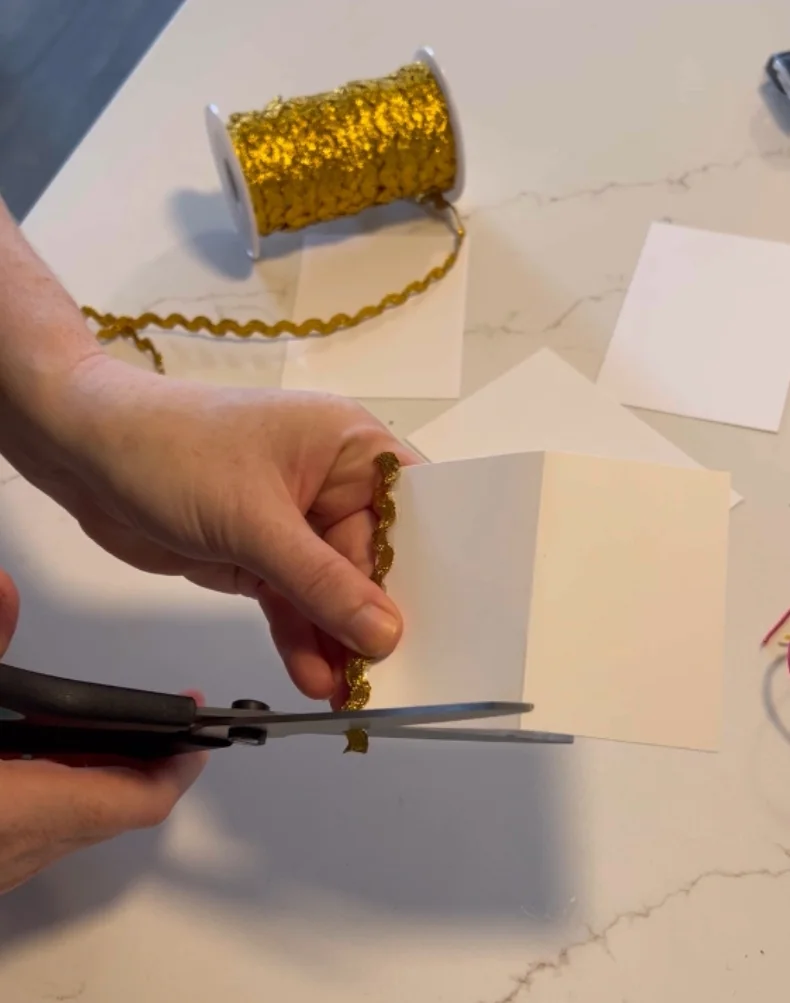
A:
421, 829
204, 223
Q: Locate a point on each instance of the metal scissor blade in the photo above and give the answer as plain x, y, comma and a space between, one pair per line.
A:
475, 735
377, 721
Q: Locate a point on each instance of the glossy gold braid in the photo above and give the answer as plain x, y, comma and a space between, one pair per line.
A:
383, 556
371, 142
313, 159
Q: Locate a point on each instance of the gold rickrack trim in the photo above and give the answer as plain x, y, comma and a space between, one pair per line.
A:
112, 327
357, 666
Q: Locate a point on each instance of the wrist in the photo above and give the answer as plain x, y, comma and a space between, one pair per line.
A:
43, 342
50, 412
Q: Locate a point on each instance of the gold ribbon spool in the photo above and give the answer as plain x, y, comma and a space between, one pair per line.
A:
314, 159
240, 190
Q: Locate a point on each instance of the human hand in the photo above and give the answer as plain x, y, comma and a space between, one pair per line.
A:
48, 810
257, 492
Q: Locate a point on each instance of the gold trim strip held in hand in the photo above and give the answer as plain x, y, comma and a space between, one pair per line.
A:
383, 556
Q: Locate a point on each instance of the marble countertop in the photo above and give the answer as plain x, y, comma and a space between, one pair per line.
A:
598, 872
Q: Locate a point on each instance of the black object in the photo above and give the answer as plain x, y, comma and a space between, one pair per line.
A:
247, 733
46, 716
43, 715
778, 70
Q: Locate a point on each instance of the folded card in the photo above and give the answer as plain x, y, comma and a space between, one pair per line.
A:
593, 588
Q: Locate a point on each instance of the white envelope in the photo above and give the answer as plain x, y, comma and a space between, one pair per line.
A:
592, 588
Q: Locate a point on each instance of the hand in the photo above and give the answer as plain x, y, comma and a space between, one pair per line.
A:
257, 492
48, 810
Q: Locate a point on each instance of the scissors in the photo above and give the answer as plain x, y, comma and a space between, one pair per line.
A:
42, 715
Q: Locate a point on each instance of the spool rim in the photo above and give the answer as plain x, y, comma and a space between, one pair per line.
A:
233, 182
426, 55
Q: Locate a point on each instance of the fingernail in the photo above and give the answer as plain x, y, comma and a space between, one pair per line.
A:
372, 631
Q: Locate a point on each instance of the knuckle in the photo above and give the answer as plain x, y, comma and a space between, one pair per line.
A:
320, 580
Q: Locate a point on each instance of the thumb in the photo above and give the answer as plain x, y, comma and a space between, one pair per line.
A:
9, 610
323, 585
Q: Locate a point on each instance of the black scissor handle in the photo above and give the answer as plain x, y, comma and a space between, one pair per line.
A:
47, 742
51, 700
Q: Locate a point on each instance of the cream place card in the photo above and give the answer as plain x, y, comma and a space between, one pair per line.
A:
592, 588
411, 351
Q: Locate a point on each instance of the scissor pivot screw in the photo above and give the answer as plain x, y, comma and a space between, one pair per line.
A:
248, 734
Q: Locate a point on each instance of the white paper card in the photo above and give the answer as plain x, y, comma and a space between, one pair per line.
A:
544, 404
411, 351
593, 588
702, 331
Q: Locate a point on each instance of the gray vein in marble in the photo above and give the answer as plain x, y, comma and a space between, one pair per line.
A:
580, 302
228, 309
510, 324
683, 182
277, 290
600, 938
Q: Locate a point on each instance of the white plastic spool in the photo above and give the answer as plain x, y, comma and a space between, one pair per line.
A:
234, 184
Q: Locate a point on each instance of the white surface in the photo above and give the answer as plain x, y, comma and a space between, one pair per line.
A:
601, 871
541, 576
544, 404
702, 330
414, 350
